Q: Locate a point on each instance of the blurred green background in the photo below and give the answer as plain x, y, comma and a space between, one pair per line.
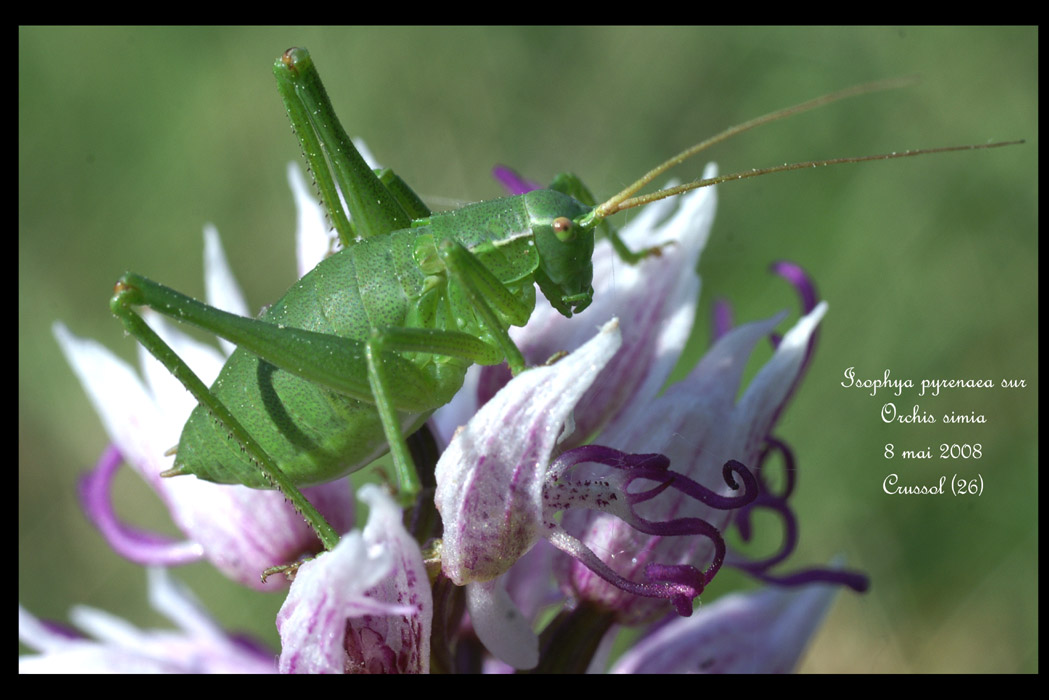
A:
131, 139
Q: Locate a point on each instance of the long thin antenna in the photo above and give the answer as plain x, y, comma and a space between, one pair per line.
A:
671, 191
611, 206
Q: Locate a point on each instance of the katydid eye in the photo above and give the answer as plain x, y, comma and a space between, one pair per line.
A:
564, 229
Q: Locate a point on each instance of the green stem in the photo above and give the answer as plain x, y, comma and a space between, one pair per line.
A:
569, 642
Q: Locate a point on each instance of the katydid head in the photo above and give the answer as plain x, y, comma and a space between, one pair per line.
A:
565, 274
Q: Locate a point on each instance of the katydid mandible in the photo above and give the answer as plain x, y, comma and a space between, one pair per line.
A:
368, 344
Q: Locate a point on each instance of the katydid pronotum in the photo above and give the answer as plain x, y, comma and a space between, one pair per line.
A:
369, 343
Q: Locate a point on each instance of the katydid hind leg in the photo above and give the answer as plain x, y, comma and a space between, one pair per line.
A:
331, 361
339, 171
125, 298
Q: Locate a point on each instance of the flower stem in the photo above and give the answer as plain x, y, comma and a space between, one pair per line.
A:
569, 642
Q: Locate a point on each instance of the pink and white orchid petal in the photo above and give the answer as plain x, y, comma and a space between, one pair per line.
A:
313, 239
198, 646
241, 531
172, 401
128, 412
220, 286
403, 640
490, 479
326, 592
764, 398
332, 620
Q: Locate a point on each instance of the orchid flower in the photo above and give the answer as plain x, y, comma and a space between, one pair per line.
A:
500, 484
581, 480
198, 646
144, 414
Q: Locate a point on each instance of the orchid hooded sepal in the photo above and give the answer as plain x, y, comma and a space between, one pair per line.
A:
499, 490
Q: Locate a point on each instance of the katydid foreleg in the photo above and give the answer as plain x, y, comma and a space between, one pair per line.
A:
486, 291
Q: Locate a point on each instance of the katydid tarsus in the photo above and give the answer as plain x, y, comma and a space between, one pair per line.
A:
368, 344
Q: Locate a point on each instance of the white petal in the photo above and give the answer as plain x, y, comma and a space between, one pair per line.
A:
406, 635
500, 625
313, 240
379, 573
221, 288
176, 602
243, 531
769, 389
128, 412
173, 401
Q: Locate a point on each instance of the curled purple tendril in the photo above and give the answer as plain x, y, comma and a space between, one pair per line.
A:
808, 298
683, 582
513, 181
139, 546
721, 320
656, 467
742, 517
679, 583
722, 323
800, 280
777, 502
